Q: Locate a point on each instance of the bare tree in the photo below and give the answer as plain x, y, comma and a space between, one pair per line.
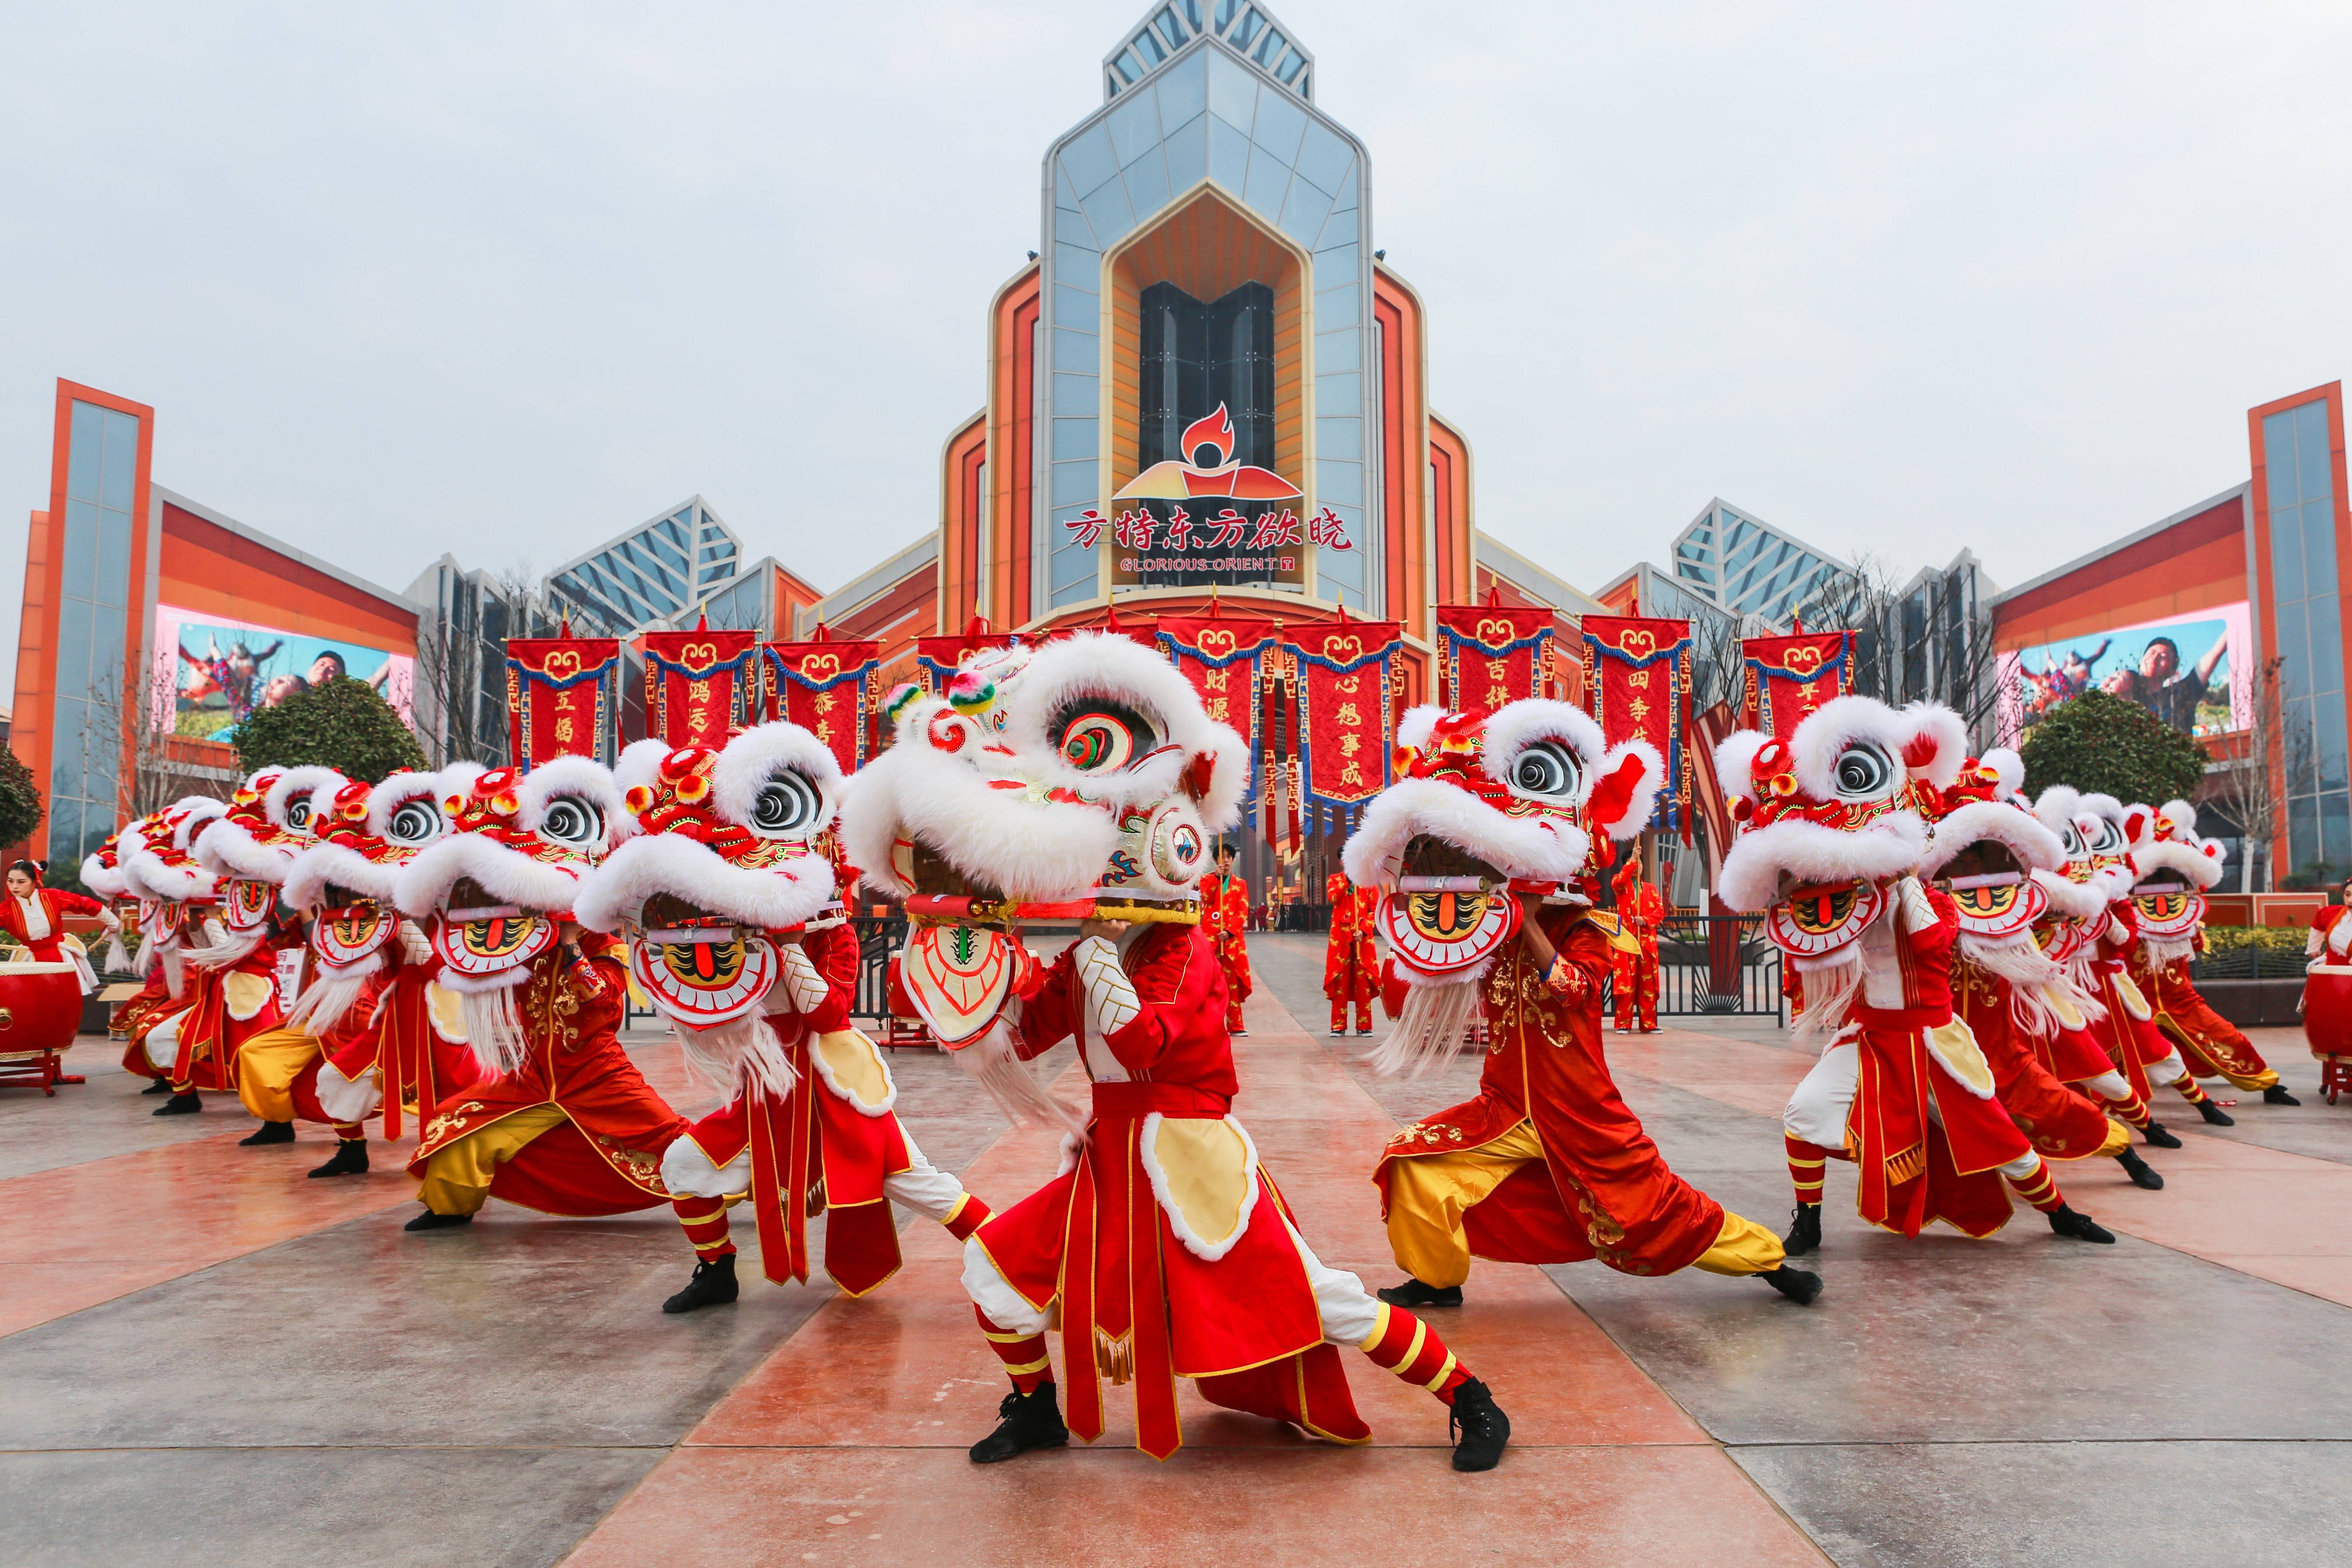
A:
2246, 788
461, 706
139, 744
1931, 640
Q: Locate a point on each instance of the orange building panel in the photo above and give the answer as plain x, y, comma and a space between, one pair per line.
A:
205, 567
2198, 564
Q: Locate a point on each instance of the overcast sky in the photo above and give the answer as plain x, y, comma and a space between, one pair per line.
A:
505, 281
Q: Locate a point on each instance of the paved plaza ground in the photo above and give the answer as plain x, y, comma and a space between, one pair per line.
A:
205, 1358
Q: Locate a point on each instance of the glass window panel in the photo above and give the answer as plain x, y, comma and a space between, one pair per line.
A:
2302, 832
88, 441
2298, 764
2286, 554
2313, 468
1229, 154
1269, 177
1303, 211
1075, 308
1078, 394
1147, 45
73, 646
120, 472
1324, 157
1070, 227
1078, 266
2335, 833
64, 829
1074, 439
1338, 483
1147, 184
2318, 547
1076, 350
1339, 261
1341, 228
1075, 484
1064, 196
1333, 393
2328, 727
113, 557
1340, 437
1338, 351
1346, 193
1188, 153
1333, 306
1087, 158
2278, 460
107, 644
1232, 91
1281, 122
79, 575
2325, 672
1184, 89
66, 746
1107, 210
1134, 125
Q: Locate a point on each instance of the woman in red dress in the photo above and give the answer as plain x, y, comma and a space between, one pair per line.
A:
34, 917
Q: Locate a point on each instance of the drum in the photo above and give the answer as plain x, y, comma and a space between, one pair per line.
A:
2328, 1009
40, 1009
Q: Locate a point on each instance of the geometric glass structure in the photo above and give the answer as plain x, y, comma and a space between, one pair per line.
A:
1748, 566
659, 569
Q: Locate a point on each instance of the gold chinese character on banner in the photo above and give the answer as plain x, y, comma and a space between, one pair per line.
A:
1353, 774
1498, 669
698, 691
1218, 708
1350, 714
825, 701
1638, 709
1351, 744
1214, 679
1496, 696
1349, 684
1639, 678
564, 730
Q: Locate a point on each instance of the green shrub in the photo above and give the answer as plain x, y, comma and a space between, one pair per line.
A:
340, 724
2102, 745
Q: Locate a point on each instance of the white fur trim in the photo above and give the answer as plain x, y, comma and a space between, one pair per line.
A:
2057, 806
1516, 726
582, 777
1735, 762
639, 764
1034, 850
2073, 899
1646, 789
395, 791
2164, 854
1826, 732
995, 1295
306, 880
758, 754
1418, 724
771, 898
2010, 769
685, 1170
100, 879
2036, 848
347, 1100
505, 874
1539, 848
1199, 1246
1890, 845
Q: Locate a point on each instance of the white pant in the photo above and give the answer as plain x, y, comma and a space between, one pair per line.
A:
164, 1043
1348, 1311
922, 1187
2109, 1085
1824, 1099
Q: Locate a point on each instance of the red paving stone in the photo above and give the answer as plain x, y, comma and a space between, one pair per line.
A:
846, 1446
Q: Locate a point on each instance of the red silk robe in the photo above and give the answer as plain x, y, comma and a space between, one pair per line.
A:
1639, 909
1351, 960
2060, 1123
57, 903
605, 1158
2128, 1033
417, 1066
1224, 915
2210, 1046
1602, 1190
210, 1032
816, 1151
1136, 1302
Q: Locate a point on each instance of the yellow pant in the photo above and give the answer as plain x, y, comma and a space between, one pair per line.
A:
1429, 1194
266, 1067
457, 1177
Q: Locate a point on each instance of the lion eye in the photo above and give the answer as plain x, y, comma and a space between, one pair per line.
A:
298, 813
1548, 769
786, 803
415, 821
1102, 737
1863, 772
573, 822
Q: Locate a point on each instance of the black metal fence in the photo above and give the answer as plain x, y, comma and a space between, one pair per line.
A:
878, 936
2248, 963
1717, 966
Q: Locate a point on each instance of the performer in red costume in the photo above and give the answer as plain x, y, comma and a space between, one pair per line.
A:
1351, 960
1639, 911
173, 895
1224, 915
1830, 843
561, 1120
2175, 867
1984, 847
1483, 846
1087, 780
33, 918
727, 898
101, 873
2328, 994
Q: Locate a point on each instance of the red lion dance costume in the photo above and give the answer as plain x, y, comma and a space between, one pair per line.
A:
1483, 846
1639, 911
1832, 841
727, 899
1084, 781
1351, 960
561, 1121
1224, 915
174, 893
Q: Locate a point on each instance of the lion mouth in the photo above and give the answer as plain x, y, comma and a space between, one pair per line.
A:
932, 876
1429, 862
668, 912
468, 900
1985, 860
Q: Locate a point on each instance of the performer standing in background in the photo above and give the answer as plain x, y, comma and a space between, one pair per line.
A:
1639, 911
1224, 915
1351, 962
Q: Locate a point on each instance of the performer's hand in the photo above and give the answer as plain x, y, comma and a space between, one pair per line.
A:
1532, 931
1109, 930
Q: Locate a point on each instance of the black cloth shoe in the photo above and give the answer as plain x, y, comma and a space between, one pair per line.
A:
179, 1105
1241, 1034
713, 1285
1805, 1233
2274, 1095
158, 1086
1483, 1427
428, 1220
2140, 1173
1413, 1293
2214, 1115
271, 1132
1798, 1285
1365, 1031
1029, 1421
2158, 1138
2080, 1227
350, 1160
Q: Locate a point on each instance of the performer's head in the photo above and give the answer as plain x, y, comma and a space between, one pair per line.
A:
1224, 857
24, 875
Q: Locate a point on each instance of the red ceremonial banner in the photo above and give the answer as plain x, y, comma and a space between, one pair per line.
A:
1637, 682
1489, 656
698, 685
1344, 693
1221, 658
826, 688
1789, 677
560, 698
936, 657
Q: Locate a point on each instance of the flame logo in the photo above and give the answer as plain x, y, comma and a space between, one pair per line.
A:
1209, 430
